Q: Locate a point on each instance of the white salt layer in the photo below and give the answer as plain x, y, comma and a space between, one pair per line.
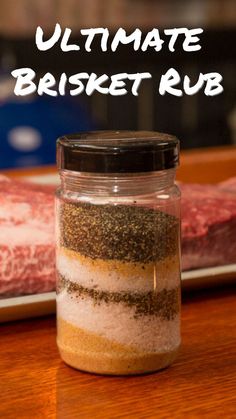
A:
116, 321
119, 276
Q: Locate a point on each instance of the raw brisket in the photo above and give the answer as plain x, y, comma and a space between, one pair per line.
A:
208, 224
27, 259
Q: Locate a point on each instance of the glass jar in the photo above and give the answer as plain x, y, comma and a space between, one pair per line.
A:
118, 251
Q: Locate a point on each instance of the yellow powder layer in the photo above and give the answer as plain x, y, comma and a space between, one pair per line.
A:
125, 269
86, 351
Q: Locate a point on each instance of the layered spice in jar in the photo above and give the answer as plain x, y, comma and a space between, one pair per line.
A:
118, 251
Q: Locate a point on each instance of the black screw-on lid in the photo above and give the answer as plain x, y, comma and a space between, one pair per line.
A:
117, 151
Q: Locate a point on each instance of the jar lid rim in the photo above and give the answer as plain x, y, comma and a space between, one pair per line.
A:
117, 151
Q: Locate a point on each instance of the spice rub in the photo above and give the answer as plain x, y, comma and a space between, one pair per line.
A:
118, 275
165, 303
129, 233
88, 351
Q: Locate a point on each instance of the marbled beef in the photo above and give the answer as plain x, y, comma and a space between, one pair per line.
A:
27, 260
208, 224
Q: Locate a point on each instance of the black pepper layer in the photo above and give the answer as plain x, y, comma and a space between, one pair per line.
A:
164, 304
128, 233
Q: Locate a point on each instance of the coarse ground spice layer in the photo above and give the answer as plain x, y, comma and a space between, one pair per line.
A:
123, 232
164, 304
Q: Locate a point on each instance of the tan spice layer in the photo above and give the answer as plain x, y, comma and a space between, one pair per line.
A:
164, 304
116, 275
87, 351
125, 232
125, 269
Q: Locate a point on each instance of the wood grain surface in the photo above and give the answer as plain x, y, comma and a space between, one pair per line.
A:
207, 165
35, 383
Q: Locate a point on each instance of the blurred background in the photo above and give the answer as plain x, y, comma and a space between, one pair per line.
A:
29, 126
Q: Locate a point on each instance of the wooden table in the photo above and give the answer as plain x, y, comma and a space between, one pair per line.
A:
35, 383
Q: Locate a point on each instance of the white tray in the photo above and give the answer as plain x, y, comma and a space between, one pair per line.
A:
208, 277
35, 305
